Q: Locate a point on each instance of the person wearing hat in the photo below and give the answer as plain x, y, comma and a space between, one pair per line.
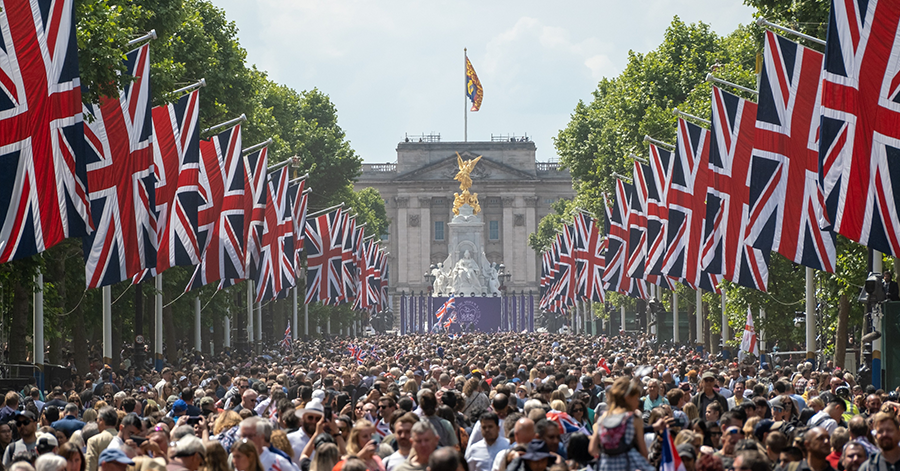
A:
688, 456
188, 455
708, 394
26, 426
46, 443
309, 417
536, 457
115, 460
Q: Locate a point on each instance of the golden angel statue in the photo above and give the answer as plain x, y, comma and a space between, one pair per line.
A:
465, 168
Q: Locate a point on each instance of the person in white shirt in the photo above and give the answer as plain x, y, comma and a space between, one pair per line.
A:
309, 417
129, 426
480, 456
403, 433
259, 431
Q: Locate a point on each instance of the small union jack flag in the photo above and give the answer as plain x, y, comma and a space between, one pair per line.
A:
446, 308
42, 156
566, 423
120, 175
286, 341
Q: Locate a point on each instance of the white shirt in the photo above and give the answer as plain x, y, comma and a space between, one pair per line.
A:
480, 456
115, 444
394, 460
822, 419
298, 440
476, 436
272, 462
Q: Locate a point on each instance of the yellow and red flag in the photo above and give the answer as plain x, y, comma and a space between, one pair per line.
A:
473, 86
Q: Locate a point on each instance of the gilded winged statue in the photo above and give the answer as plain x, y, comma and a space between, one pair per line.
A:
465, 168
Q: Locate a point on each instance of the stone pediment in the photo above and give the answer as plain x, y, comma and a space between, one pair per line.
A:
486, 170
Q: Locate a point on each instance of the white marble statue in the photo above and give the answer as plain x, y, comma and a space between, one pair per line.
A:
467, 276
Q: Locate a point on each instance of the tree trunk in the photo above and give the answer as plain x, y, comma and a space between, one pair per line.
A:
79, 341
840, 345
56, 271
18, 331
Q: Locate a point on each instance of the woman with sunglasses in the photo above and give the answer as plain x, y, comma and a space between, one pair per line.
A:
578, 411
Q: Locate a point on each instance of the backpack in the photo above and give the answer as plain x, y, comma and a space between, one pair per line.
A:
612, 433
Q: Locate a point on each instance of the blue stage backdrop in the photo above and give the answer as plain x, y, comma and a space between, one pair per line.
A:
472, 314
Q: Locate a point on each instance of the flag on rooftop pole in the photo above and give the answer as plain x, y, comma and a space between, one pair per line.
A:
474, 91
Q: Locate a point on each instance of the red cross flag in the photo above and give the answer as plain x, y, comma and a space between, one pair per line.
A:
749, 343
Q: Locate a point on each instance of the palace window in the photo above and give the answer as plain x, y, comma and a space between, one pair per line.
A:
438, 230
494, 230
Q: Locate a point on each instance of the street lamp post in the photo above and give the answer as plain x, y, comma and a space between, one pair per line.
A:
503, 277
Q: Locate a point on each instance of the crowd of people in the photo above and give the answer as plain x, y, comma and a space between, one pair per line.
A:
470, 402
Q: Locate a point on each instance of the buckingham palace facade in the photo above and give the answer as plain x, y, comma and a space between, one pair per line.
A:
514, 190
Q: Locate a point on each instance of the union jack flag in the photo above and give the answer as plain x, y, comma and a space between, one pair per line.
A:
367, 296
42, 155
373, 354
448, 306
564, 288
725, 250
324, 247
860, 137
357, 353
119, 145
615, 277
566, 423
255, 209
636, 222
687, 207
657, 211
176, 157
221, 218
276, 272
286, 341
299, 198
591, 258
786, 201
348, 261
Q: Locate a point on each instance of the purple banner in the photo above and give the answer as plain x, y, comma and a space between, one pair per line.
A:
403, 314
472, 314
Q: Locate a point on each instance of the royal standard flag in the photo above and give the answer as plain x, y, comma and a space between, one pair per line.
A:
473, 86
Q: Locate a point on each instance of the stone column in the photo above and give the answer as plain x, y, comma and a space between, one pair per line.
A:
508, 240
531, 221
425, 228
402, 203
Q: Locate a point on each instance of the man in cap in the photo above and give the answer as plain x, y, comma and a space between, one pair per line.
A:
189, 454
309, 416
708, 394
46, 443
26, 426
688, 456
537, 457
115, 460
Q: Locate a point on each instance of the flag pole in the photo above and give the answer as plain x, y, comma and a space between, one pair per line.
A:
465, 101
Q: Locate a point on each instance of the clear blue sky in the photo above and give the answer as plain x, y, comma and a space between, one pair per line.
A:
397, 67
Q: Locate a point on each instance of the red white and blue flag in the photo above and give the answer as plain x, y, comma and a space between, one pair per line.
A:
615, 277
357, 353
859, 150
42, 155
176, 158
221, 218
786, 201
445, 309
591, 258
657, 211
324, 248
276, 271
286, 341
255, 209
725, 248
299, 197
348, 260
367, 294
119, 148
670, 461
636, 221
566, 423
